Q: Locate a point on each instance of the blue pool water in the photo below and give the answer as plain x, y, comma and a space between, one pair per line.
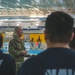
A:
34, 52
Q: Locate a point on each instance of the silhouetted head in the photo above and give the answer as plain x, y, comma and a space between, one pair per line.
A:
59, 27
18, 31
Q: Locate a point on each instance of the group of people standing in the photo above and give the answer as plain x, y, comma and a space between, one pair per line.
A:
57, 59
37, 43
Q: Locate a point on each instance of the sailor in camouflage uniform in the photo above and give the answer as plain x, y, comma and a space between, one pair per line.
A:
16, 47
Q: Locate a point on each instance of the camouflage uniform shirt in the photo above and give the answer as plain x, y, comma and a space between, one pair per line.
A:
16, 45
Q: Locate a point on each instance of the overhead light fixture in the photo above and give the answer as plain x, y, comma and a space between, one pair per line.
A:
18, 4
18, 24
37, 24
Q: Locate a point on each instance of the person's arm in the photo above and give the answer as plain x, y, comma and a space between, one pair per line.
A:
13, 50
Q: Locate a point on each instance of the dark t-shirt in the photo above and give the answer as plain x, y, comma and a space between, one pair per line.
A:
7, 64
53, 61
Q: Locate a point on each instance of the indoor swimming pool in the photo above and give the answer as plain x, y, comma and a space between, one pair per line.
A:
31, 51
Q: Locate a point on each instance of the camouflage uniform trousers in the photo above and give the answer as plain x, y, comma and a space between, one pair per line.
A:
18, 64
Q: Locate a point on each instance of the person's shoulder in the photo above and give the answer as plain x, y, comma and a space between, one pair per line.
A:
8, 56
12, 40
33, 58
30, 61
72, 52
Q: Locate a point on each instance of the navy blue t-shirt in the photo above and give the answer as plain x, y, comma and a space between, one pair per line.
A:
7, 64
53, 61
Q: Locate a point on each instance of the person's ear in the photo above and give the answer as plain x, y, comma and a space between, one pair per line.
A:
72, 36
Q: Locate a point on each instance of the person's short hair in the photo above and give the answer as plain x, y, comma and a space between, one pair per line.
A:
16, 28
1, 40
59, 27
